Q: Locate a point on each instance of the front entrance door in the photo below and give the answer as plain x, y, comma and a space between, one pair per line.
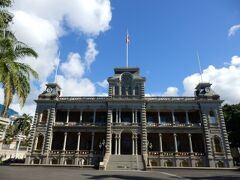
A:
126, 143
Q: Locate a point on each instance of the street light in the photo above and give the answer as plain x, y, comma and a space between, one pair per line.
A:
150, 146
102, 146
19, 138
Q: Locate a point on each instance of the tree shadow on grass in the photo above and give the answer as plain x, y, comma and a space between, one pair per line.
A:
127, 177
228, 177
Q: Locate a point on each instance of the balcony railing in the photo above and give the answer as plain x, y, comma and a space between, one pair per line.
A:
125, 124
171, 154
70, 152
73, 98
79, 124
162, 98
150, 124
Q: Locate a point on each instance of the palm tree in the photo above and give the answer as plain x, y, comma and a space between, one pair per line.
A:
5, 16
2, 127
23, 124
14, 75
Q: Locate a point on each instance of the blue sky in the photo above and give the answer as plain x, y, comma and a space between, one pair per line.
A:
88, 39
165, 37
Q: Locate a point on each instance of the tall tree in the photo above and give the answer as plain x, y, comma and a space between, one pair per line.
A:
14, 75
5, 16
23, 124
232, 118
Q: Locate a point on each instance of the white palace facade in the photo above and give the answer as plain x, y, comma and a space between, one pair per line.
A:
127, 130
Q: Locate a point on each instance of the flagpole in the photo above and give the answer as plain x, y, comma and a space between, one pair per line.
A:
127, 50
199, 64
56, 72
127, 55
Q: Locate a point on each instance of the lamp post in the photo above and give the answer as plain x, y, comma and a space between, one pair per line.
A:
102, 146
150, 146
20, 136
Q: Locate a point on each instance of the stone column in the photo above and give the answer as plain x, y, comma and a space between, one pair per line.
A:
136, 120
110, 90
116, 115
80, 120
120, 90
175, 142
109, 132
208, 146
159, 118
79, 141
35, 143
65, 141
133, 144
144, 132
119, 144
160, 142
190, 142
133, 116
225, 138
116, 141
187, 118
173, 118
94, 116
92, 143
113, 90
47, 139
120, 112
67, 120
136, 145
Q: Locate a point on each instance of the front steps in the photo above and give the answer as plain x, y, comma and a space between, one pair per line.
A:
125, 162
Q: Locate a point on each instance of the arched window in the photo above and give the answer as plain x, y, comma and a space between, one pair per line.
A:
217, 144
116, 90
40, 142
123, 90
137, 90
212, 118
129, 90
44, 116
126, 80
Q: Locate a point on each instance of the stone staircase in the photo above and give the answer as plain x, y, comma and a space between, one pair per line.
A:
125, 162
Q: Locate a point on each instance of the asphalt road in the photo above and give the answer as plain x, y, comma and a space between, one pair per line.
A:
68, 173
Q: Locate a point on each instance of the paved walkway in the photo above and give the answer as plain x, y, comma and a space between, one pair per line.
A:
70, 173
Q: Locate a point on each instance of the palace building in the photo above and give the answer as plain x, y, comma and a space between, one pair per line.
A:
128, 130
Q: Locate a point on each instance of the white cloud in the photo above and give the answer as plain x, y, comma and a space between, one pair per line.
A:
89, 17
41, 35
40, 24
76, 87
235, 60
103, 84
171, 91
91, 52
233, 30
73, 67
225, 81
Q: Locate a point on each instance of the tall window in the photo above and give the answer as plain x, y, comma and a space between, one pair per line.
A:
40, 142
137, 90
212, 118
116, 90
44, 116
123, 90
129, 90
217, 144
126, 80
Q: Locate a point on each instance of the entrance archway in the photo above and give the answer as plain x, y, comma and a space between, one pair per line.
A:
126, 143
